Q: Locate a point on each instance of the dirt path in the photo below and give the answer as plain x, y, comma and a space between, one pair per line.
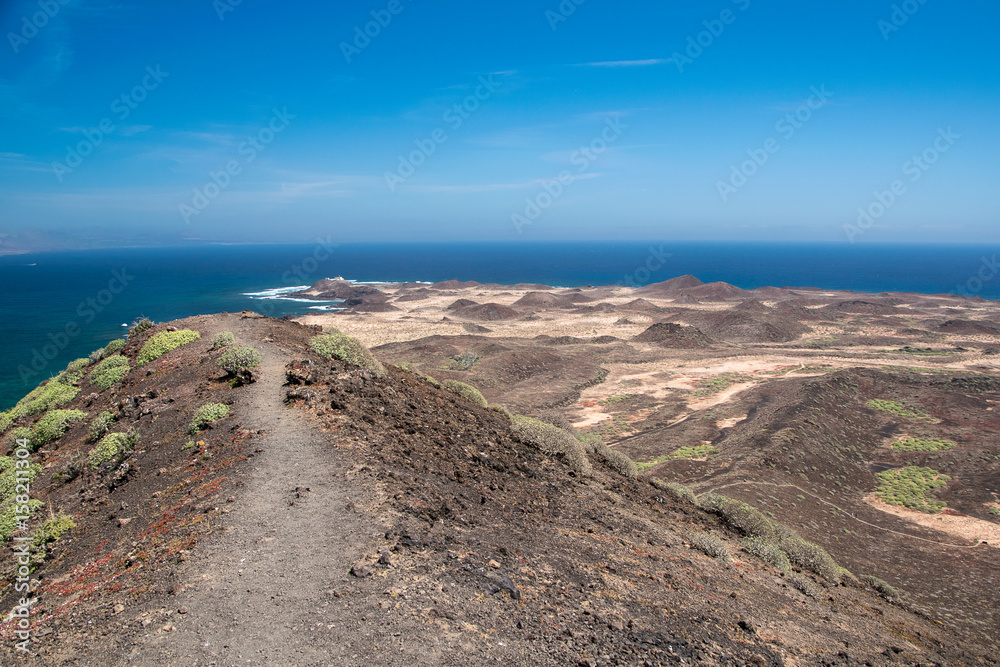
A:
262, 592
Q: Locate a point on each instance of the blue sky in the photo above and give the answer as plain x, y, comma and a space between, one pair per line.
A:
727, 119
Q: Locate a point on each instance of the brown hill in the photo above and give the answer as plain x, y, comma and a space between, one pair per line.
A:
672, 335
672, 285
969, 328
718, 291
487, 312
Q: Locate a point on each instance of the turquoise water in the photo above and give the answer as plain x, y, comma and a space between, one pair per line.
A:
60, 306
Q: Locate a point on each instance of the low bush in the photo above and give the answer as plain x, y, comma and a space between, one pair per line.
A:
739, 516
803, 584
207, 414
551, 440
911, 487
139, 327
464, 361
619, 462
898, 409
710, 545
53, 425
811, 557
51, 530
74, 372
239, 359
8, 494
100, 426
767, 552
341, 346
696, 452
43, 398
6, 419
164, 342
923, 445
114, 346
224, 339
880, 587
109, 372
473, 395
112, 447
675, 489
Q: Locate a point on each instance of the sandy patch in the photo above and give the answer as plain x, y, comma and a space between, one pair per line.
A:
966, 527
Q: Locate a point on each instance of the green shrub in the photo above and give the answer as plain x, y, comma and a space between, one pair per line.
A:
114, 346
502, 410
43, 398
739, 516
619, 462
710, 545
910, 487
51, 530
239, 359
803, 584
100, 426
811, 557
109, 372
6, 419
696, 452
8, 494
207, 414
53, 425
552, 441
164, 342
880, 587
224, 339
74, 372
897, 409
616, 460
472, 394
675, 489
464, 361
767, 552
140, 326
923, 445
112, 446
341, 346
19, 433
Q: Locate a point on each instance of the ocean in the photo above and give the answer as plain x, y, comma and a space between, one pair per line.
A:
57, 307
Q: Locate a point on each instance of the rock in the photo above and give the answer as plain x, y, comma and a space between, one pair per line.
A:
361, 571
495, 565
119, 608
182, 610
506, 585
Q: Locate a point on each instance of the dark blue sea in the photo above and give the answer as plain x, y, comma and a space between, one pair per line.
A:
60, 306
